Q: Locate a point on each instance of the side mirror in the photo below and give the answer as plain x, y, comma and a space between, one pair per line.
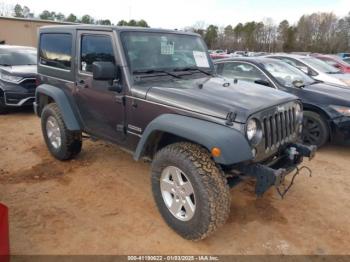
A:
105, 71
262, 82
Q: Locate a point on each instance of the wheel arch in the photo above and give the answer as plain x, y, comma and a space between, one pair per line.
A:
46, 94
169, 128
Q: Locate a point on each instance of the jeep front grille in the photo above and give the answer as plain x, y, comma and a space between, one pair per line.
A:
279, 128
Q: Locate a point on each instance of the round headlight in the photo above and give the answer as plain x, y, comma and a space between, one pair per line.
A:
252, 129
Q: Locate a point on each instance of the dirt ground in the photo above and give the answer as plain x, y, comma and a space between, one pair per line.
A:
101, 203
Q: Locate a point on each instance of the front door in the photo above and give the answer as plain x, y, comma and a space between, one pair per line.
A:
101, 110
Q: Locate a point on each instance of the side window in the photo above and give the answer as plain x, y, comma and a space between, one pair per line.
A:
56, 50
242, 71
297, 64
95, 48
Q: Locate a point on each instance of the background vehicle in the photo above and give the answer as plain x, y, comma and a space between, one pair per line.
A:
334, 61
347, 60
154, 93
326, 107
17, 76
344, 55
316, 68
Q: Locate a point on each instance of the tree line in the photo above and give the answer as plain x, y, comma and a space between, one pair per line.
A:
318, 32
25, 12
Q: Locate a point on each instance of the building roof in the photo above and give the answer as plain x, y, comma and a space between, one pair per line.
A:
35, 20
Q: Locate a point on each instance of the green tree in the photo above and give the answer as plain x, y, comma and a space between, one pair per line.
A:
132, 22
142, 23
104, 22
211, 36
59, 17
72, 18
87, 19
46, 15
18, 11
122, 23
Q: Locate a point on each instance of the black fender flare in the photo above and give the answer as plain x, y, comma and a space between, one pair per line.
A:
233, 144
62, 101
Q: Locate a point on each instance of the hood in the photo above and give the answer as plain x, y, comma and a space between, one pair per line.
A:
340, 79
218, 96
327, 94
23, 70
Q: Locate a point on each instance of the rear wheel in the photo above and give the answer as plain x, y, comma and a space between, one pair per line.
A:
191, 192
62, 143
315, 129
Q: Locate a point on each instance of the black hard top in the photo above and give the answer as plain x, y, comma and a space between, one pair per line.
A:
70, 28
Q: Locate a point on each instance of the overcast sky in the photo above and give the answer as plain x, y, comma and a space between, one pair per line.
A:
182, 13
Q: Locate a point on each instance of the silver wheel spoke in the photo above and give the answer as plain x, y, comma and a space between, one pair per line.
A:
189, 207
167, 186
187, 188
176, 174
176, 206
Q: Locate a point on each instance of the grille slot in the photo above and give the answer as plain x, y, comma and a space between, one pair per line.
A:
279, 128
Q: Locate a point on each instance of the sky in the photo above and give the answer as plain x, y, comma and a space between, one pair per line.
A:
182, 13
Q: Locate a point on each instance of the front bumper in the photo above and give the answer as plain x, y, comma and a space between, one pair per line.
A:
274, 174
341, 130
13, 99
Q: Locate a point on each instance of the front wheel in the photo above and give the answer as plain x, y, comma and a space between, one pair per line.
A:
191, 192
315, 129
62, 143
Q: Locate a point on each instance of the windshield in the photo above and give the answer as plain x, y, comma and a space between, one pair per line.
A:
286, 74
320, 65
18, 57
160, 51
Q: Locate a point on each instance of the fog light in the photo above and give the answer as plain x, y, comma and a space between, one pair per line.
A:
215, 152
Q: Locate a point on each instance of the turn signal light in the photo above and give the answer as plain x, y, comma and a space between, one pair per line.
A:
216, 152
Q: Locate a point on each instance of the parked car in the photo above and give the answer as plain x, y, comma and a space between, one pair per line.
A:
326, 107
218, 54
316, 68
17, 76
334, 61
155, 93
347, 60
344, 55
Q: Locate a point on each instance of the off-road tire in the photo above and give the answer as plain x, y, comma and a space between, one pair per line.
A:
317, 125
71, 141
208, 182
3, 109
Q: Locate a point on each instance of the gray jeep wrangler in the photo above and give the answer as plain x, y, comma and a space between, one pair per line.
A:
156, 94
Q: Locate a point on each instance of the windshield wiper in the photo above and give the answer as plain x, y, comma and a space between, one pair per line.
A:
5, 65
193, 69
154, 71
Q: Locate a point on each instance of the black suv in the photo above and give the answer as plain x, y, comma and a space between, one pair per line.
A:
17, 76
155, 93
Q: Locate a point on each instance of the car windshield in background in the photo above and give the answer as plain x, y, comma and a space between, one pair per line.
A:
287, 75
148, 51
18, 57
320, 65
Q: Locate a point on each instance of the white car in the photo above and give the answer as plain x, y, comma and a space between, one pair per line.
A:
316, 68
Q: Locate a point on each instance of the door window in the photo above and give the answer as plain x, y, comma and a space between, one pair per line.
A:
95, 48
